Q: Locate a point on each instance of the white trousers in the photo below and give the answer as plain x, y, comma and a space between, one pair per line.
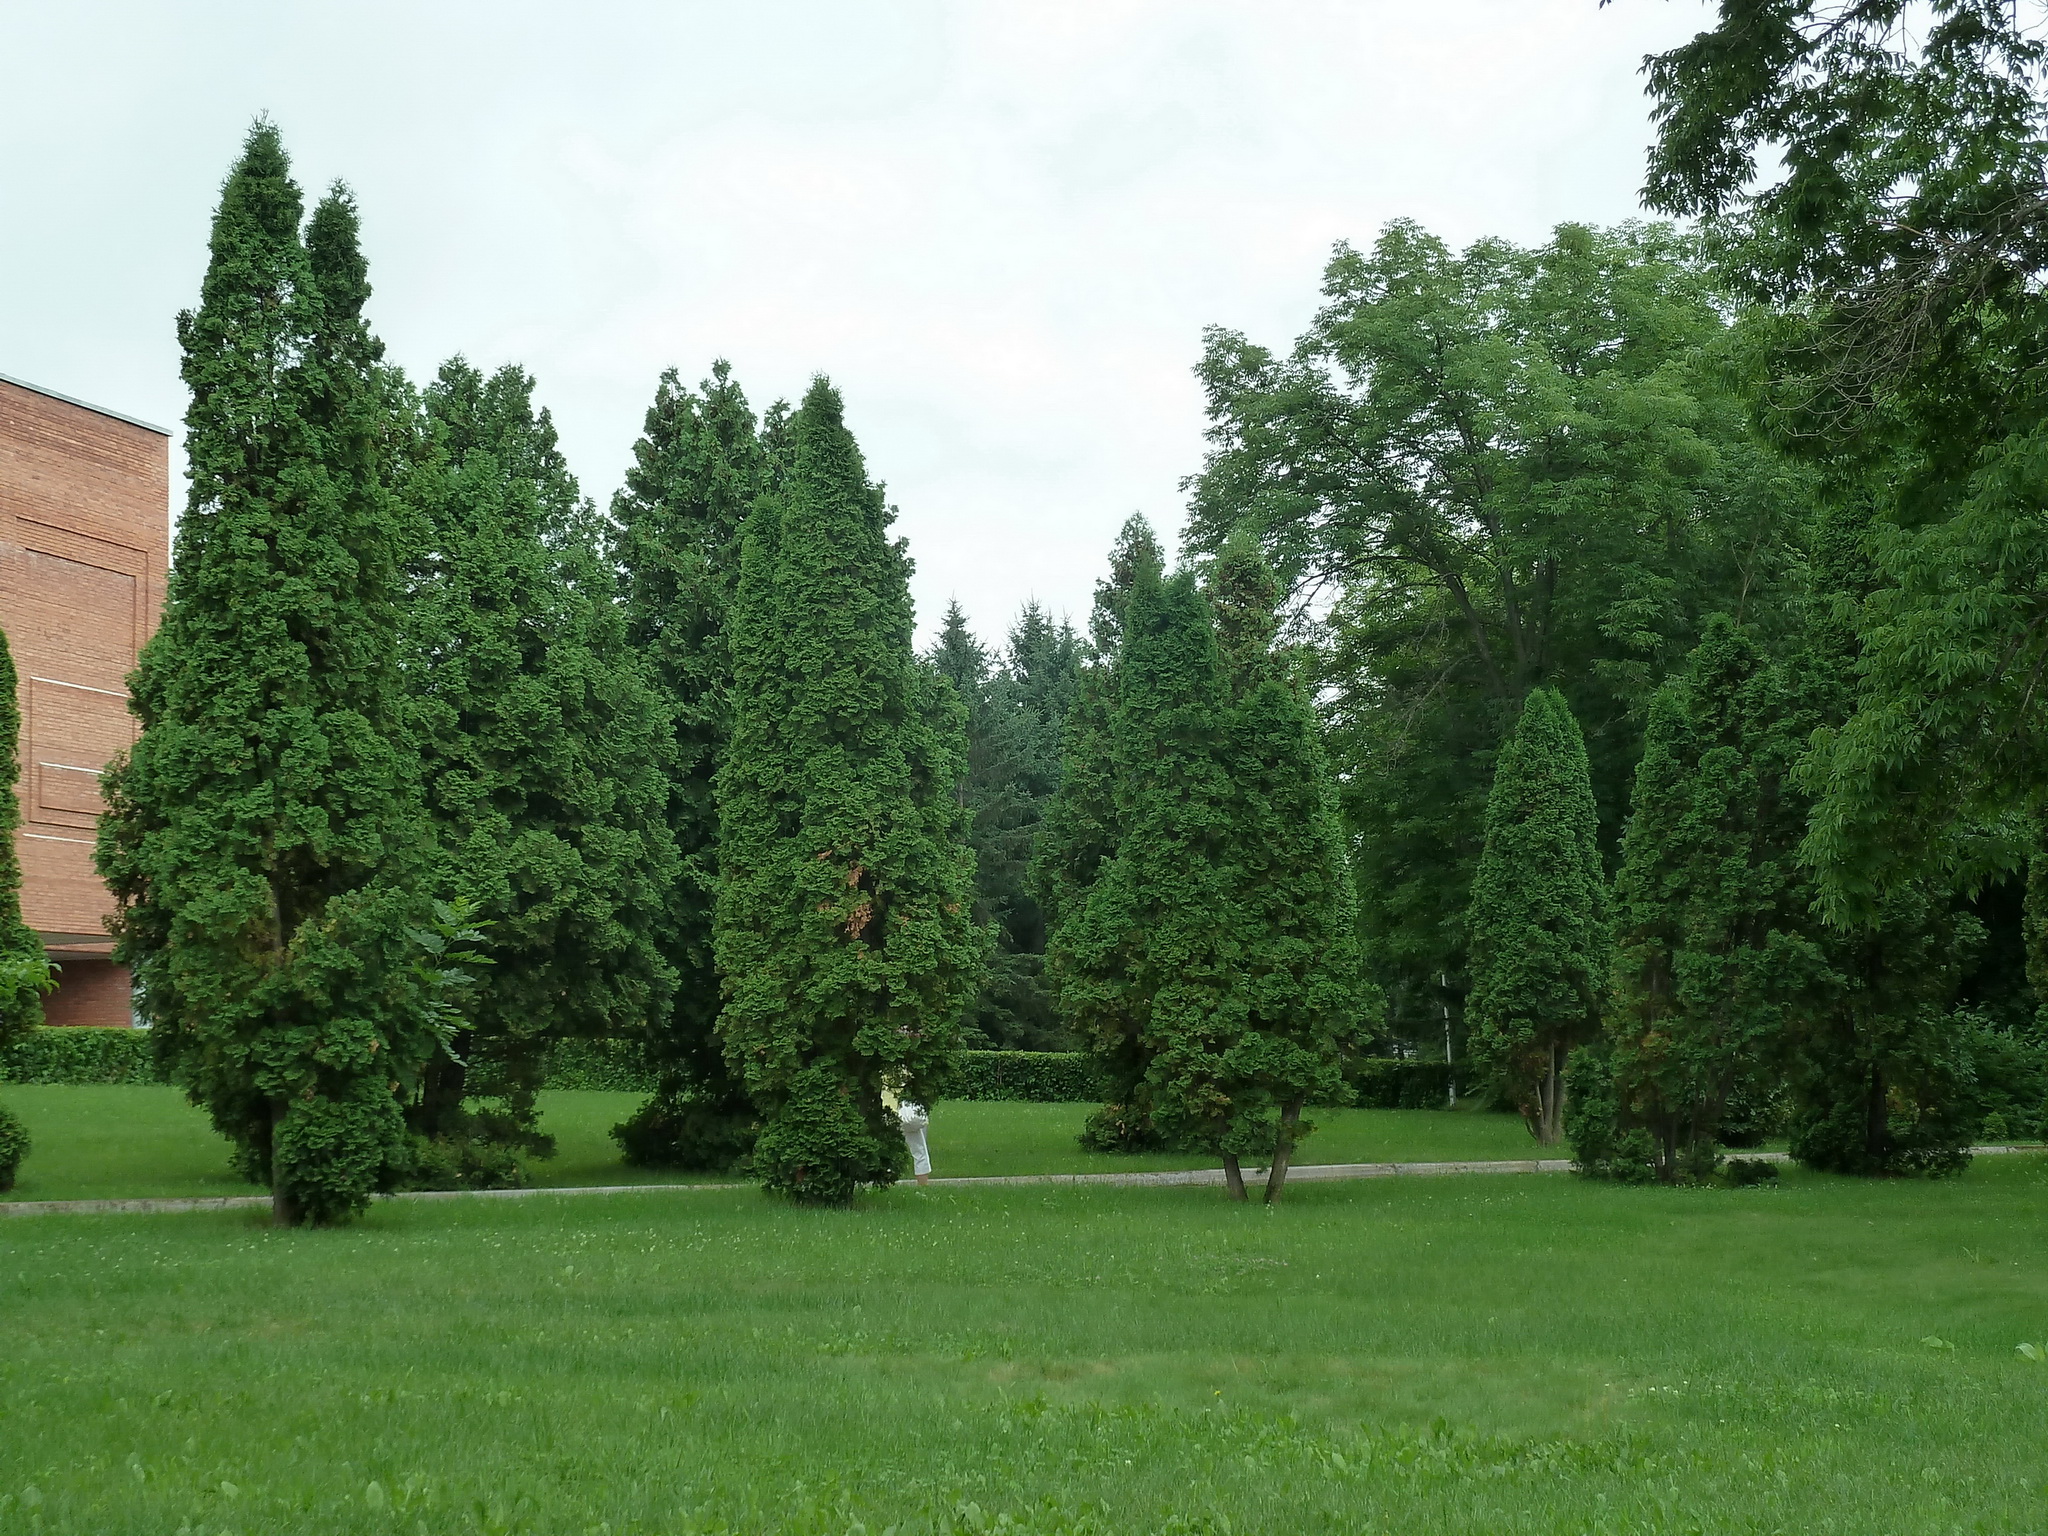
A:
920, 1156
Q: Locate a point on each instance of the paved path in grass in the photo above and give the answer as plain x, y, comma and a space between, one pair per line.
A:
1304, 1173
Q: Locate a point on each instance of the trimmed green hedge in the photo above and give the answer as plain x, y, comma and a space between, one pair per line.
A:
74, 1055
600, 1066
1383, 1082
1036, 1077
79, 1055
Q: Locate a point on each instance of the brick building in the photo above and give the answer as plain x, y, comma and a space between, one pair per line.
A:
85, 540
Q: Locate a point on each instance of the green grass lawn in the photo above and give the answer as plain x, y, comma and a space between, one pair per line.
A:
1492, 1355
128, 1142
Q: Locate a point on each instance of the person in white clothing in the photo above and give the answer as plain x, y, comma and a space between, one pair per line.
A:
914, 1120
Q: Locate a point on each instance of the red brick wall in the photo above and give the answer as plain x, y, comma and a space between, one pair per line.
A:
84, 544
89, 992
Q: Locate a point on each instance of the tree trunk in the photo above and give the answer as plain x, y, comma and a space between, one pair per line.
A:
1283, 1150
1877, 1128
1550, 1102
443, 1086
1233, 1176
284, 1210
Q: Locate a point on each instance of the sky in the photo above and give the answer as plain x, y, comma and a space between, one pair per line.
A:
999, 226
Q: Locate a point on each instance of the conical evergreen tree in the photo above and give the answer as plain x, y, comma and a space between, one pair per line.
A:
1537, 924
1005, 792
844, 934
697, 469
1081, 832
1299, 984
1032, 692
543, 752
1136, 953
1713, 933
24, 970
263, 836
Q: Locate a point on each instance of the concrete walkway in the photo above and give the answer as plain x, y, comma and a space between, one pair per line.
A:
1302, 1173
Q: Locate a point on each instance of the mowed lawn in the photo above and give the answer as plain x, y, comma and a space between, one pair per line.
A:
1484, 1354
128, 1142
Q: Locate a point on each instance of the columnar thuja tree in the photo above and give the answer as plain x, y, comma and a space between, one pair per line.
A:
24, 972
1714, 942
843, 928
1082, 830
1298, 999
263, 836
697, 469
543, 749
1537, 924
1212, 958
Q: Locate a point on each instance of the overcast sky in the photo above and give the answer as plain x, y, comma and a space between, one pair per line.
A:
999, 227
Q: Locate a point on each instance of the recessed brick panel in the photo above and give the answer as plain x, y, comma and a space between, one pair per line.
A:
84, 545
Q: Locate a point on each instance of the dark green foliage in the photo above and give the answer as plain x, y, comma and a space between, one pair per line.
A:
543, 749
1608, 1140
80, 1055
24, 970
1884, 1067
263, 836
1038, 1077
1081, 832
1380, 1082
696, 470
1016, 710
600, 1066
1538, 920
1210, 963
1903, 232
1714, 949
1493, 470
845, 938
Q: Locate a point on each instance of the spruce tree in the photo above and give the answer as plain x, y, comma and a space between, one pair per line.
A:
1537, 923
1014, 711
24, 970
1033, 691
696, 471
263, 836
543, 750
1714, 943
1081, 832
844, 933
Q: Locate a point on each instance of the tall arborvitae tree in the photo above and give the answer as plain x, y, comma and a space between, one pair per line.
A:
24, 970
1714, 944
1298, 985
1139, 976
696, 471
844, 932
263, 836
1015, 709
1082, 831
1537, 924
544, 751
1213, 955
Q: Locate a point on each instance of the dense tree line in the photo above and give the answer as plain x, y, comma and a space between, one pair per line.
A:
1611, 663
438, 766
